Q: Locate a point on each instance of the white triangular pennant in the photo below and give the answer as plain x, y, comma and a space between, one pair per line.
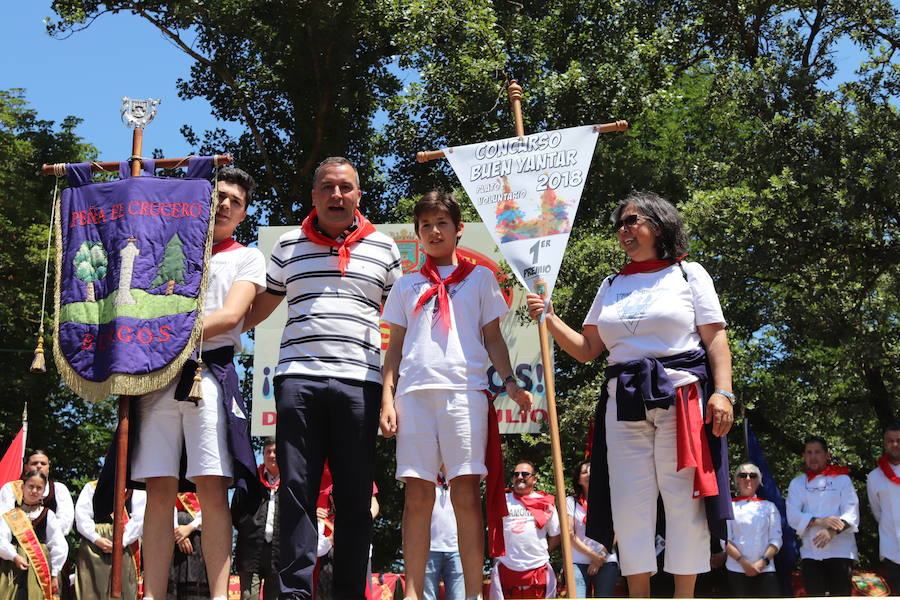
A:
526, 191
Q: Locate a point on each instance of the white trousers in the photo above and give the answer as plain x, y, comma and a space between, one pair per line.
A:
642, 461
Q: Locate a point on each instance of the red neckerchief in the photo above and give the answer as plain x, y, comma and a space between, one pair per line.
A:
264, 479
430, 272
645, 266
580, 500
828, 471
692, 446
226, 246
750, 498
885, 463
363, 229
540, 507
495, 494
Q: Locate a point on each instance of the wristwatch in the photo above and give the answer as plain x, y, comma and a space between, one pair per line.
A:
766, 559
728, 395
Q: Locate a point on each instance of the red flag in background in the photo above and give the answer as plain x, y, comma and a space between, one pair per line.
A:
11, 465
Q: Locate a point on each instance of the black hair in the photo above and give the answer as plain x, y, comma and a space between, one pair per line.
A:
529, 463
268, 441
577, 490
810, 439
437, 200
34, 473
895, 426
238, 177
331, 161
672, 241
34, 452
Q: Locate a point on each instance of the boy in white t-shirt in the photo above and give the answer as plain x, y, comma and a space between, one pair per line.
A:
444, 334
214, 435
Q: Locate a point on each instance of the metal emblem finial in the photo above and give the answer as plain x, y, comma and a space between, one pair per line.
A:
138, 113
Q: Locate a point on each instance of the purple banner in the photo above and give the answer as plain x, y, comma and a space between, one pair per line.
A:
130, 279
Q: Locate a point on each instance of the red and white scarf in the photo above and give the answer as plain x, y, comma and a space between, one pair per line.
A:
364, 228
430, 272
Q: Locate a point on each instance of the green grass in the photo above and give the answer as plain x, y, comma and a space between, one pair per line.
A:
149, 306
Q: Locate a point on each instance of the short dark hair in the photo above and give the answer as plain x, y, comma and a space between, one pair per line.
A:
895, 426
437, 200
268, 441
527, 462
35, 452
811, 439
332, 161
577, 490
238, 177
34, 473
672, 242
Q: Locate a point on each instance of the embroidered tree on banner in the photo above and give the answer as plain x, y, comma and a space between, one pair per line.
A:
91, 264
171, 269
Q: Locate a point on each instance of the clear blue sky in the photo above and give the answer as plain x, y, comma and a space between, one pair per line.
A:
120, 55
87, 75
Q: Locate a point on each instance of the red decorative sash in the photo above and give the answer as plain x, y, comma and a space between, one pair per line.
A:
828, 471
885, 463
363, 229
523, 584
21, 527
226, 246
646, 266
581, 501
430, 272
188, 502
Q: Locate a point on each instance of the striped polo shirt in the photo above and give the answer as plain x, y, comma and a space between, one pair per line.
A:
332, 327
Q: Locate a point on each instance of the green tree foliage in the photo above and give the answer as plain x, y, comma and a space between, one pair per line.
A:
74, 432
171, 269
90, 264
788, 181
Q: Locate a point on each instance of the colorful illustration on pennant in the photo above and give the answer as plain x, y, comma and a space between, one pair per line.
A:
511, 223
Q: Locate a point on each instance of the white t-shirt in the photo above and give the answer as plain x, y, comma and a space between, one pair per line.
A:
884, 498
443, 522
240, 264
526, 545
577, 514
756, 525
655, 314
437, 358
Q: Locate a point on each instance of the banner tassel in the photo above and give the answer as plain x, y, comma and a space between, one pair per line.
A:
39, 363
196, 394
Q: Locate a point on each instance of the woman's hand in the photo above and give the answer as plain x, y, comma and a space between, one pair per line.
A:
719, 412
20, 562
182, 532
536, 305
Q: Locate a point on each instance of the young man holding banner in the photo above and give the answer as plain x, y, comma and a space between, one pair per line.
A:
214, 430
445, 331
336, 271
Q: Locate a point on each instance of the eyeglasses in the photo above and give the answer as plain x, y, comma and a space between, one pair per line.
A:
629, 221
746, 475
522, 474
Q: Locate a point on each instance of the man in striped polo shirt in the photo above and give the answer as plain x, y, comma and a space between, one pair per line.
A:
336, 272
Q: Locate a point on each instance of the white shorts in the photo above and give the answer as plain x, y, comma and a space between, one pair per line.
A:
642, 461
441, 426
166, 425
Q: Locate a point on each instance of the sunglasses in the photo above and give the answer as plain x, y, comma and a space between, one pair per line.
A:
746, 475
522, 474
629, 221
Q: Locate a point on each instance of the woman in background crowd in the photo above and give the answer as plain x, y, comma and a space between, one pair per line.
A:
596, 568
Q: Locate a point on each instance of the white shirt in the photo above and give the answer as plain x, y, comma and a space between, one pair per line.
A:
240, 264
526, 545
756, 526
823, 497
884, 498
84, 515
577, 514
270, 508
56, 541
443, 522
325, 544
435, 357
655, 314
65, 510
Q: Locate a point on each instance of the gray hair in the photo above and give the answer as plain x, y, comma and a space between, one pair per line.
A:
749, 468
330, 162
672, 241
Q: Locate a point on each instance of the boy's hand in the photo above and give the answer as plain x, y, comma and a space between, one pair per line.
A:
519, 396
388, 421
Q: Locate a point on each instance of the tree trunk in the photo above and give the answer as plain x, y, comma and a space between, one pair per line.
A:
90, 292
170, 288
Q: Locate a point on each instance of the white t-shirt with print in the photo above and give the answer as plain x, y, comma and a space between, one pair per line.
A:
577, 514
240, 264
655, 314
435, 357
526, 545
